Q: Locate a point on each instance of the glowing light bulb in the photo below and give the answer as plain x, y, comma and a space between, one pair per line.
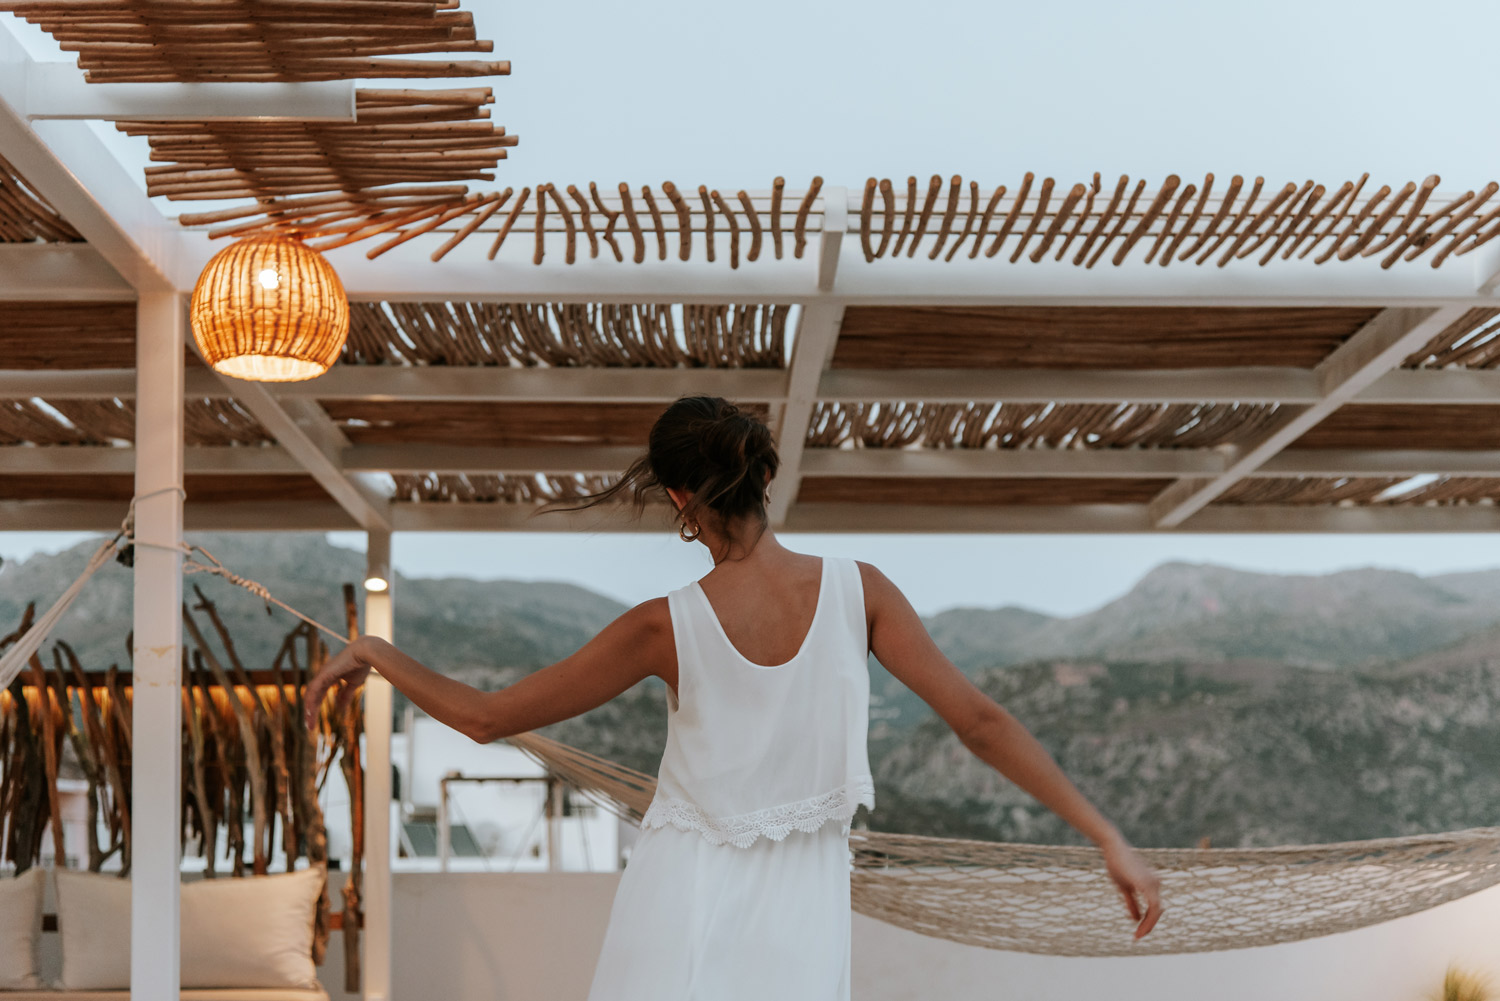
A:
376, 584
268, 278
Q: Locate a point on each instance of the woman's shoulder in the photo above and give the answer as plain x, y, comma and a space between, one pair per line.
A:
878, 588
653, 616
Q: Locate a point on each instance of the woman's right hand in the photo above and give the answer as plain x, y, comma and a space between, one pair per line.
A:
348, 668
1137, 881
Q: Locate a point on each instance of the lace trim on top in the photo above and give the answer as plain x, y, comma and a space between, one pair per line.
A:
775, 822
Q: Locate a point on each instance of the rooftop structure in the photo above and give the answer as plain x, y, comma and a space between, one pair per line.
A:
1023, 355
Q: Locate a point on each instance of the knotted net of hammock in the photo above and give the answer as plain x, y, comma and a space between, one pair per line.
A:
1060, 901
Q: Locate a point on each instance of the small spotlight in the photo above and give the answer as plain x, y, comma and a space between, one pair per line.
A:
378, 563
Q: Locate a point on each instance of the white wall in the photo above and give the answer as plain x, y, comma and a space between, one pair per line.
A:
535, 937
491, 936
1401, 960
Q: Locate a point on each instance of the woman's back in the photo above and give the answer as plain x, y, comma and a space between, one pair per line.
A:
758, 747
766, 611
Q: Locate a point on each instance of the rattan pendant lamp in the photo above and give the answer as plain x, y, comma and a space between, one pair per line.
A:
270, 309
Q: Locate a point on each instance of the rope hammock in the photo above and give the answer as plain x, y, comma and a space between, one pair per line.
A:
1053, 900
196, 559
1059, 901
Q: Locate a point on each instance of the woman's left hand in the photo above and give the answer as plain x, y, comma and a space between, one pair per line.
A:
347, 668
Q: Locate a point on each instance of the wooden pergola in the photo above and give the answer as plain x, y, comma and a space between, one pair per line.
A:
1102, 356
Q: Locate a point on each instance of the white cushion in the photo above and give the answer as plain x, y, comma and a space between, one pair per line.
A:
20, 929
93, 920
253, 932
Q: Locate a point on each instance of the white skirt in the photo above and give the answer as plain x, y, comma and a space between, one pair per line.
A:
692, 921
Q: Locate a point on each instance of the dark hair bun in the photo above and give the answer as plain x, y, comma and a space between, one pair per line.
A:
722, 454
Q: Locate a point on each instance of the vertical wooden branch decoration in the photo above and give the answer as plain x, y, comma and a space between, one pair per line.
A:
349, 730
50, 747
26, 802
208, 817
118, 815
88, 761
239, 729
249, 739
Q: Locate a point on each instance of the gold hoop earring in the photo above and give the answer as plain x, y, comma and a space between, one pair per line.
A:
682, 532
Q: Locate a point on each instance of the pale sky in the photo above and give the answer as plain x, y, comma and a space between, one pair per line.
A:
731, 96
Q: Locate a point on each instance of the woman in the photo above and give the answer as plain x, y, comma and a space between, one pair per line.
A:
738, 887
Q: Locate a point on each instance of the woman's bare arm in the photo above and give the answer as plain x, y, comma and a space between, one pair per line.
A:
635, 645
902, 644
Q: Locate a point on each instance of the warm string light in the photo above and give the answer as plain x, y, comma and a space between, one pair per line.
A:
270, 309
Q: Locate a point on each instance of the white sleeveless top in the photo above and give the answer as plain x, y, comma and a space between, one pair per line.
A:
760, 751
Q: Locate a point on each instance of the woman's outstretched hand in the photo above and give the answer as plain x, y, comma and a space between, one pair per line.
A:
1138, 884
347, 668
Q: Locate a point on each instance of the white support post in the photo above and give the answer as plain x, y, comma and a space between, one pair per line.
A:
156, 785
379, 621
817, 332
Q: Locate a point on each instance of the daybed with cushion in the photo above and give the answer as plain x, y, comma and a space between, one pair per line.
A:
244, 939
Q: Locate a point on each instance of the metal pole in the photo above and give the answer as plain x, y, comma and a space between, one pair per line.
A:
444, 826
377, 886
156, 779
554, 812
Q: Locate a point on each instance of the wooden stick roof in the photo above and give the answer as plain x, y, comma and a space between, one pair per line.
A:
520, 453
426, 138
139, 41
930, 406
1207, 223
25, 215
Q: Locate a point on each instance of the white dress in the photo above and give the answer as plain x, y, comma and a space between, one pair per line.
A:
738, 887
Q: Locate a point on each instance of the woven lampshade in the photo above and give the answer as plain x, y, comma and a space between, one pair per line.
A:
270, 309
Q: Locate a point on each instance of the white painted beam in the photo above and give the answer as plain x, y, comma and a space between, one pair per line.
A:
1375, 349
103, 460
441, 517
1486, 268
59, 91
817, 334
406, 273
240, 516
94, 384
957, 463
477, 459
639, 385
323, 516
59, 272
310, 436
1090, 519
1084, 519
594, 385
1197, 385
1380, 462
1424, 386
70, 167
977, 463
